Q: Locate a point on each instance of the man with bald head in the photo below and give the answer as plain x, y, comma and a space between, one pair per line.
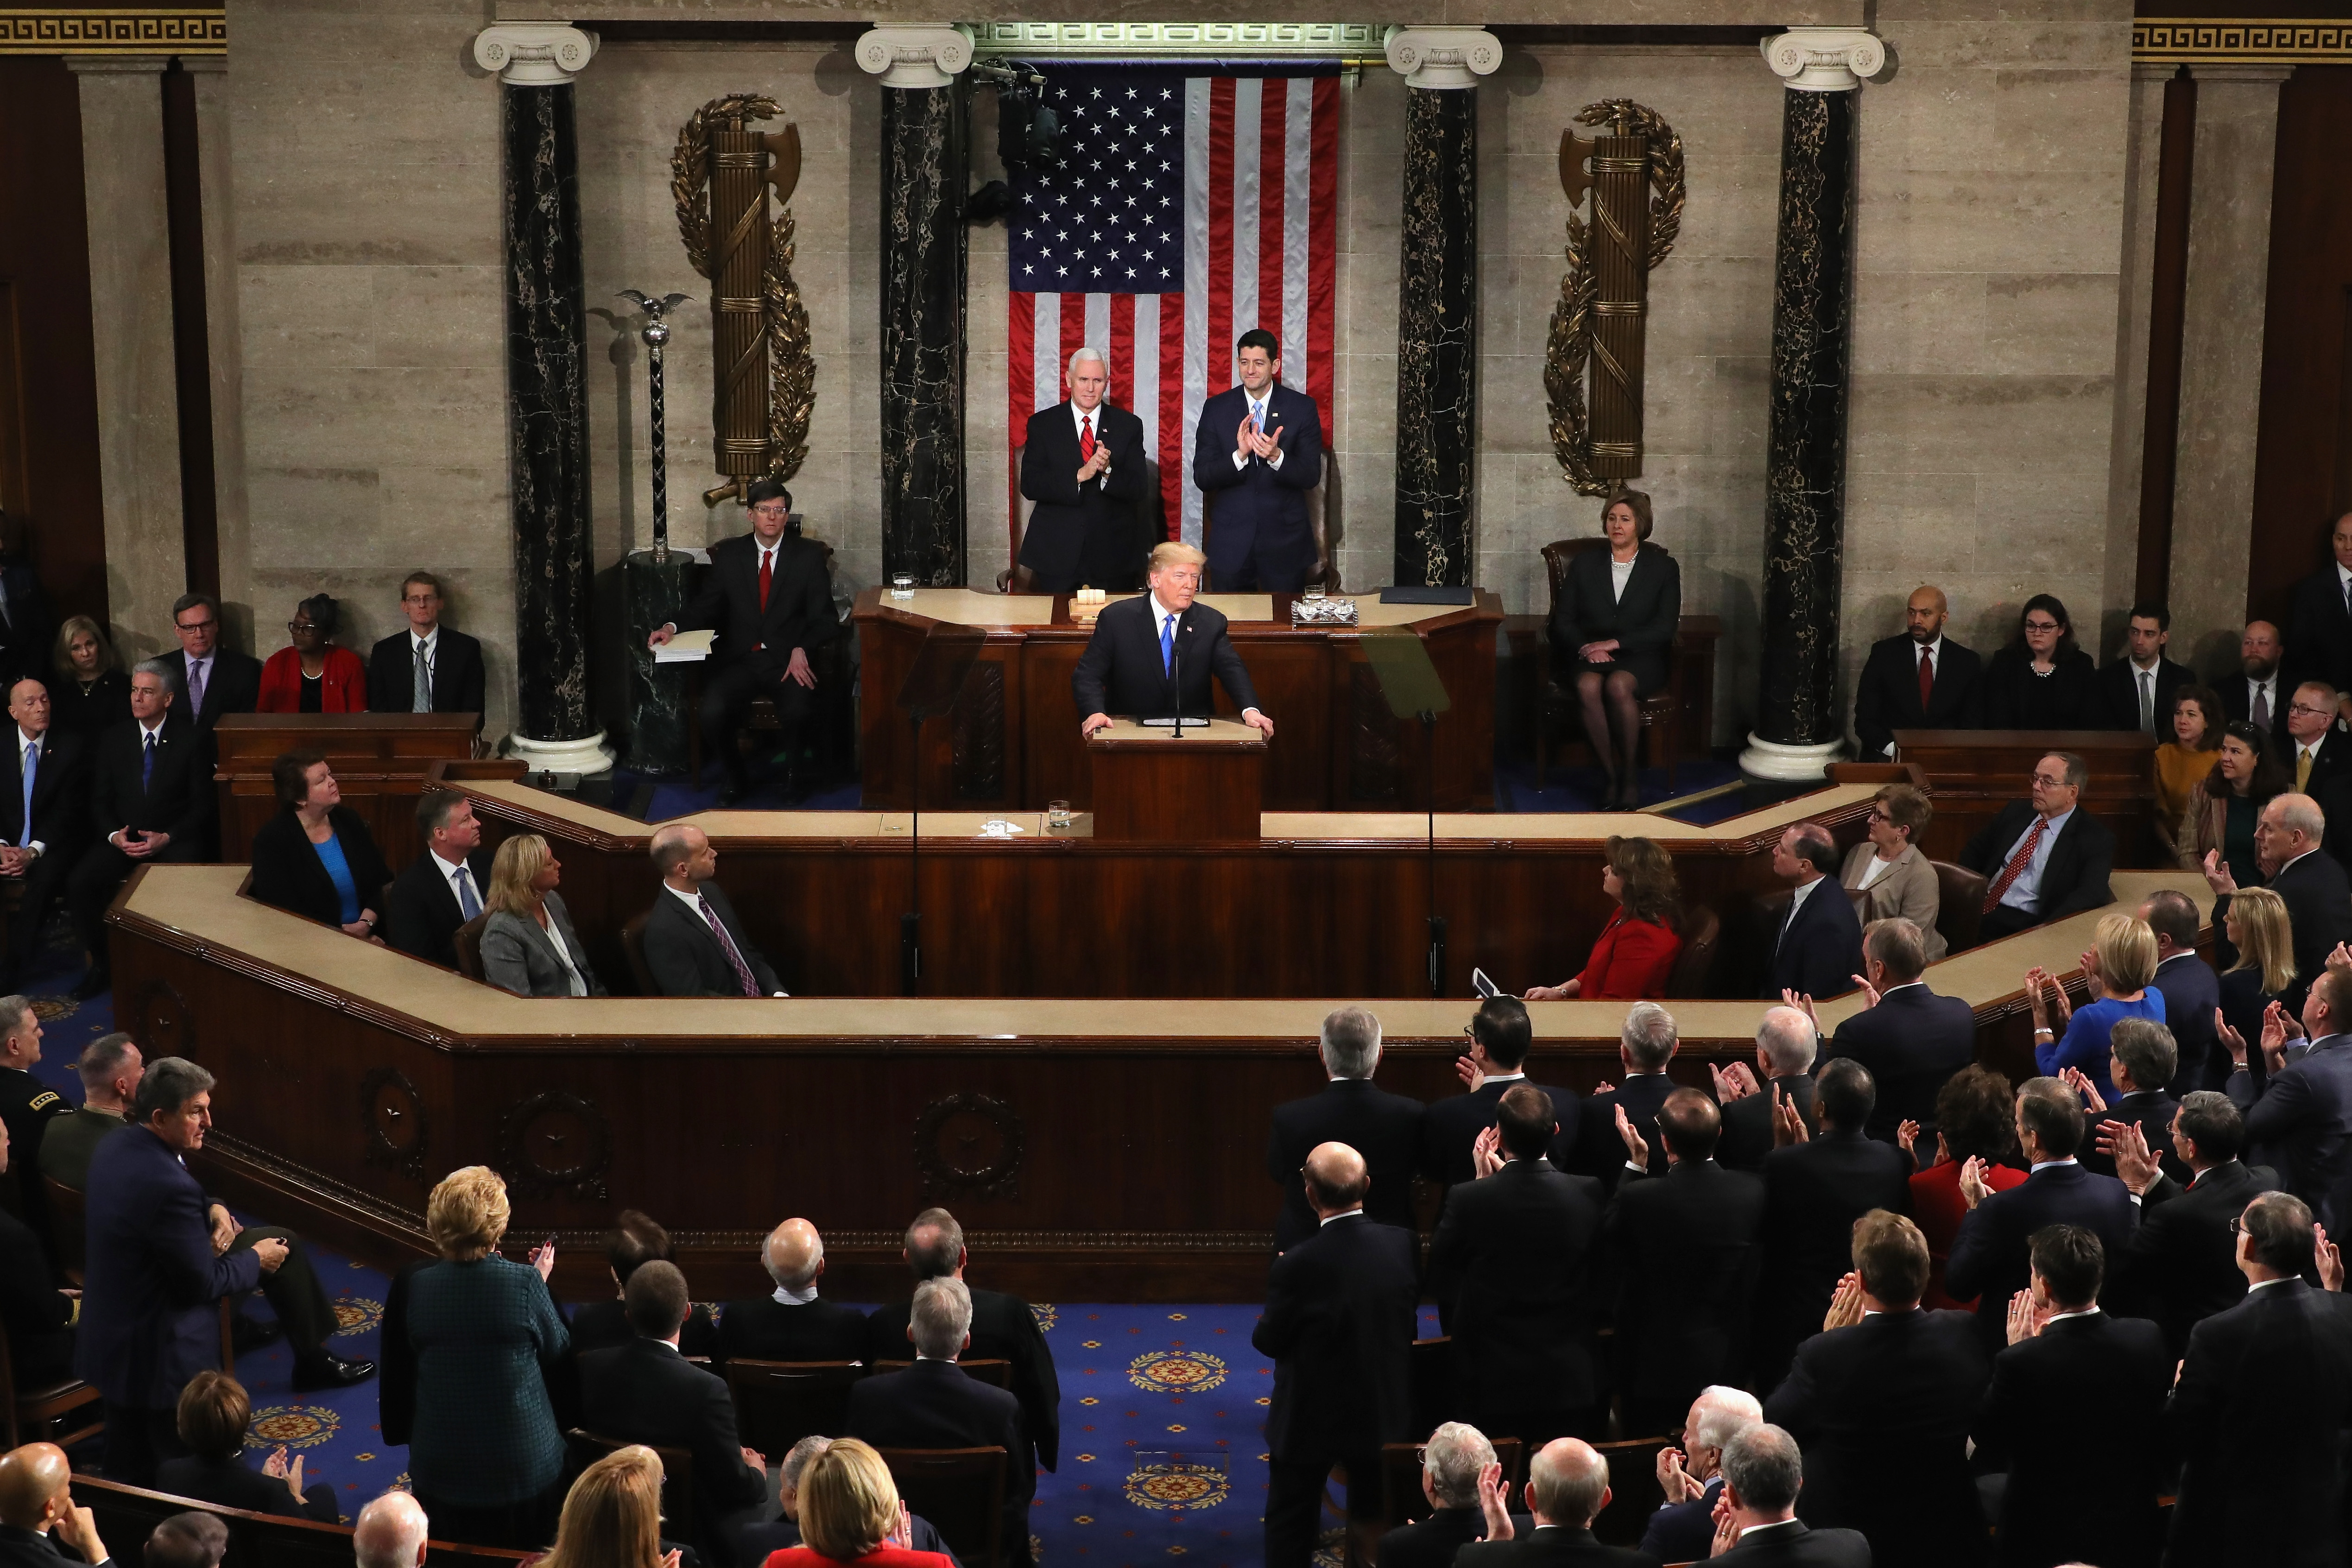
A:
391, 1532
39, 1524
1339, 1327
2289, 831
1568, 1486
694, 944
792, 1323
2254, 696
1920, 680
43, 819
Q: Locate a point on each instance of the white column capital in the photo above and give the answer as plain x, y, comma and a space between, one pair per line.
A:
1825, 59
1443, 59
534, 54
914, 56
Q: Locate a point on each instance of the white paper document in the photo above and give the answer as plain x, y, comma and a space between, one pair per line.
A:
685, 648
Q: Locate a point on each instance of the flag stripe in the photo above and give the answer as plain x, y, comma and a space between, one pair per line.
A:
1202, 320
1323, 205
1249, 125
1296, 148
1274, 149
1173, 315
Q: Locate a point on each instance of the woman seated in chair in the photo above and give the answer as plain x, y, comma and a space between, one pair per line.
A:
2041, 681
2182, 763
612, 1516
213, 1416
1635, 954
2244, 777
528, 945
91, 691
312, 675
1611, 631
1892, 870
316, 858
850, 1513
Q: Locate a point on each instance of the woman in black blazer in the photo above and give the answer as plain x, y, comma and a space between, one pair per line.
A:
91, 691
316, 858
1615, 621
2041, 681
214, 1412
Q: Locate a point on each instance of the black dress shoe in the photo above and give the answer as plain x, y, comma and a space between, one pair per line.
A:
94, 983
325, 1371
252, 1334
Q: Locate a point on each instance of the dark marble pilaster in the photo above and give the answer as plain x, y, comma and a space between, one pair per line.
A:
1437, 322
547, 415
923, 180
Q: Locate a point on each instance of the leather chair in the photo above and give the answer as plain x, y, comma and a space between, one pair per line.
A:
994, 1370
633, 947
1661, 711
961, 1492
1959, 905
1633, 1490
778, 1402
45, 1412
1694, 965
467, 940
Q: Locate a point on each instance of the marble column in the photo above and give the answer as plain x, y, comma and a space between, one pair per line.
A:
1801, 727
922, 202
1437, 298
547, 394
130, 331
2221, 351
222, 336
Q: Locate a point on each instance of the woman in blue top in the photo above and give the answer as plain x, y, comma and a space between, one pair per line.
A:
316, 857
2119, 970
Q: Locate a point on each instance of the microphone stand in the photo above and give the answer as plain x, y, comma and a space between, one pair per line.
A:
1176, 660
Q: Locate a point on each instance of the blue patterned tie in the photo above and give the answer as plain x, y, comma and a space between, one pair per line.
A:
32, 761
468, 904
147, 763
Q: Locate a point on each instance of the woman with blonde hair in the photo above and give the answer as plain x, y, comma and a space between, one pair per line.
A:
1614, 622
850, 1513
91, 691
612, 1516
2257, 926
2120, 971
1893, 872
467, 1344
1635, 954
528, 945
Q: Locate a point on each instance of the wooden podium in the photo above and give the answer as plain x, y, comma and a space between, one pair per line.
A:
380, 760
1152, 785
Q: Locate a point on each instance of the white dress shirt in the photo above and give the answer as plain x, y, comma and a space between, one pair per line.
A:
784, 1296
2026, 891
1620, 574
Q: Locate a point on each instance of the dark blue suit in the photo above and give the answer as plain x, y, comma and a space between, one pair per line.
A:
1989, 1257
1258, 535
1819, 948
2299, 1121
2191, 991
149, 1322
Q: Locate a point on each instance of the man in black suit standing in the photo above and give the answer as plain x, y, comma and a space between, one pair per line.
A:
1385, 1128
1568, 1486
2256, 693
211, 680
1817, 945
442, 889
1149, 654
2318, 896
1814, 1189
1002, 1328
2140, 1054
1921, 680
2299, 1113
1763, 1473
2190, 989
1990, 1259
2319, 641
1500, 1036
1256, 452
2067, 1499
769, 597
1339, 1327
646, 1392
2180, 1266
1685, 1249
694, 944
1082, 464
43, 819
1911, 1039
1451, 1461
2259, 1414
1646, 1044
429, 667
40, 1524
792, 1323
935, 1404
1882, 1399
1509, 1266
2042, 859
1785, 1042
2134, 691
150, 799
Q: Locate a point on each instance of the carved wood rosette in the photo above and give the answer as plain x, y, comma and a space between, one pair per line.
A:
970, 1144
555, 1144
764, 382
1593, 358
392, 1115
161, 1022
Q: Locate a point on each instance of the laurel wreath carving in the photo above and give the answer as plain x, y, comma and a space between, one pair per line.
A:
791, 363
1568, 348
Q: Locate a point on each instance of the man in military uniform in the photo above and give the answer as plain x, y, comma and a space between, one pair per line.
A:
111, 1068
27, 1105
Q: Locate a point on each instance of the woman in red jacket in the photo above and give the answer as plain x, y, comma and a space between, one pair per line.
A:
1635, 952
313, 676
850, 1513
1975, 1118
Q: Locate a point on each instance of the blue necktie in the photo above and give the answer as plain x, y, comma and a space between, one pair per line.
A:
147, 763
1167, 645
468, 904
32, 761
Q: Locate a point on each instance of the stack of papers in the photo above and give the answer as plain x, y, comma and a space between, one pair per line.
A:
685, 648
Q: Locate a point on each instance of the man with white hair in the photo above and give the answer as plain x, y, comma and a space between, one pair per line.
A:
2318, 898
1383, 1127
792, 1323
1644, 1046
1453, 1459
1785, 1042
1082, 464
934, 1404
1568, 1486
391, 1532
1690, 1477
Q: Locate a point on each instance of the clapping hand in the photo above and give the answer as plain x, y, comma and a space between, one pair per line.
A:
1803, 1003
1674, 1482
1494, 1503
1845, 1307
2217, 873
1727, 1527
2330, 1258
1486, 1150
2080, 1082
1637, 1147
2126, 1145
1788, 1121
903, 1536
2036, 979
291, 1474
1467, 1069
2025, 1318
543, 1257
2231, 1041
1973, 1190
1737, 1081
2093, 977
2275, 1036
1906, 1135
2342, 957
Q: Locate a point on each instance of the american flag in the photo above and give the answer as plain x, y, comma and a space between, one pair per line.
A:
1187, 209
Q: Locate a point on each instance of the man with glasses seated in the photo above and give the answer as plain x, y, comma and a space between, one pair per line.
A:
211, 680
2041, 858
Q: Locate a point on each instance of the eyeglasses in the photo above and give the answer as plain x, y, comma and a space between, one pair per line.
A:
2042, 625
196, 626
2046, 782
2237, 1225
2310, 711
301, 626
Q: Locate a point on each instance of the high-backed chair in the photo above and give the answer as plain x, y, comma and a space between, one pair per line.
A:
778, 1402
633, 947
1403, 1501
679, 1521
1694, 965
1661, 711
1959, 905
994, 1370
961, 1492
467, 940
1633, 1490
45, 1412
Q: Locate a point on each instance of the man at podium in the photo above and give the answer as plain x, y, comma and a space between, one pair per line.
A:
1148, 652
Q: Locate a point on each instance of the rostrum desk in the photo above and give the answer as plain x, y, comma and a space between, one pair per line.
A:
1093, 1149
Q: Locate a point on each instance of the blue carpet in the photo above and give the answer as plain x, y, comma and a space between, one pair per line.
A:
1516, 788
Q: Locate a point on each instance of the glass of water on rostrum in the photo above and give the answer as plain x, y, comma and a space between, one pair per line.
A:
902, 584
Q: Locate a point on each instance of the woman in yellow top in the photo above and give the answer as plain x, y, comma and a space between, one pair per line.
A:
2182, 763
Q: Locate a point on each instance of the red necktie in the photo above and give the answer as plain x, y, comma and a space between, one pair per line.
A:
1086, 440
767, 562
1926, 680
2017, 864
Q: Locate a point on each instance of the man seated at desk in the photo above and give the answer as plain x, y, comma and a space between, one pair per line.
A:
1148, 652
